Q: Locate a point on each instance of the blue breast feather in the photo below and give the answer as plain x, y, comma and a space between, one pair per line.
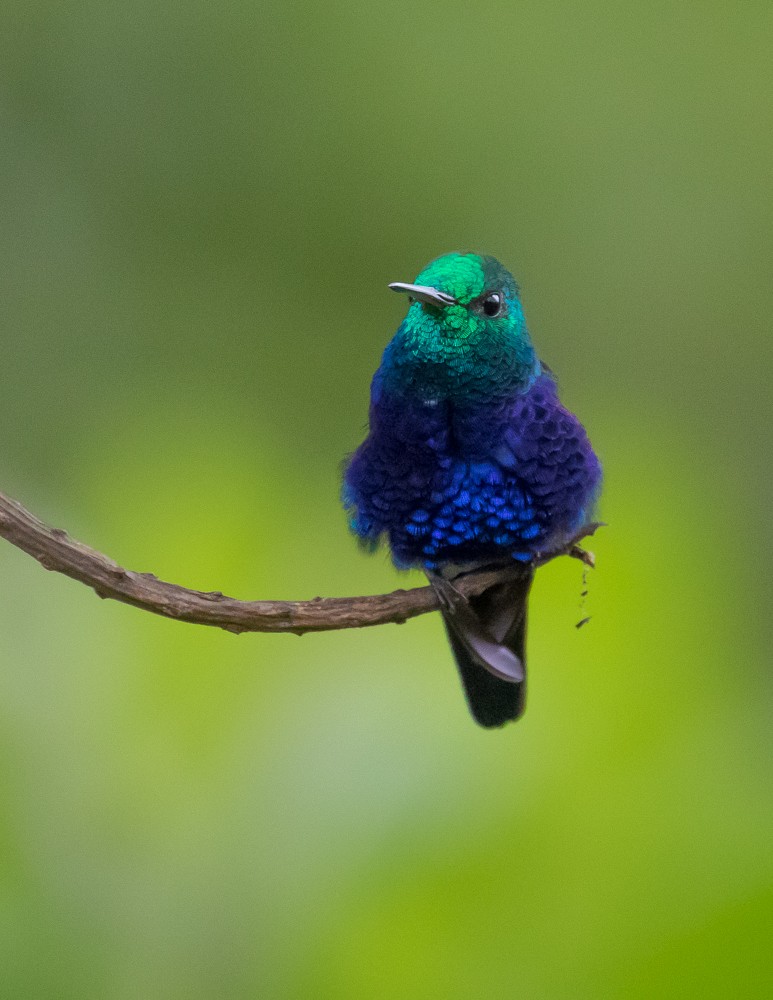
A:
452, 485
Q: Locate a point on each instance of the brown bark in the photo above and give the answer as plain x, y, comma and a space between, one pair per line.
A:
55, 550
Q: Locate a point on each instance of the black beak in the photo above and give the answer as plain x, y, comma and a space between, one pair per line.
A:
424, 293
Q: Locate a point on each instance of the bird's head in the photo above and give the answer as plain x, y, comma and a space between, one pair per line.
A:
464, 337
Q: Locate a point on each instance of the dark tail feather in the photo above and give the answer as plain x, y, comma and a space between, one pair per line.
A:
488, 639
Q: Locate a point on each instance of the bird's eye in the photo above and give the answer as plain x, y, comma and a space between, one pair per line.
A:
491, 304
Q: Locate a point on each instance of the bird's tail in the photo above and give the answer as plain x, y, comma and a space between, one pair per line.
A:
487, 634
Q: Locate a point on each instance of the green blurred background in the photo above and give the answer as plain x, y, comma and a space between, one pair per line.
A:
201, 206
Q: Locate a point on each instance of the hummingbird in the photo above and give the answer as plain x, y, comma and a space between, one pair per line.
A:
471, 462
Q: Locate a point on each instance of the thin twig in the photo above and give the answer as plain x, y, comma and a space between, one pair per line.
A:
55, 550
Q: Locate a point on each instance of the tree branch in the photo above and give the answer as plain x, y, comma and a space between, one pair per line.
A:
56, 551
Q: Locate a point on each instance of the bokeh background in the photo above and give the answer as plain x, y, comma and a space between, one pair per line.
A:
201, 206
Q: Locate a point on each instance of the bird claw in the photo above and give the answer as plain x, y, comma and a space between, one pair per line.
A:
448, 596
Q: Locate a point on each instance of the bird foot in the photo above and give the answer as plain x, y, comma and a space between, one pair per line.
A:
448, 596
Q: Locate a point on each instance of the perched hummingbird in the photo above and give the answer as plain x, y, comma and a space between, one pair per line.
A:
471, 461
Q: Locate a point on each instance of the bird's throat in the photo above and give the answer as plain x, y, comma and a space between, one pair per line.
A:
453, 360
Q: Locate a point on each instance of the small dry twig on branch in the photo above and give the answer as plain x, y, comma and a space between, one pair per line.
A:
56, 551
